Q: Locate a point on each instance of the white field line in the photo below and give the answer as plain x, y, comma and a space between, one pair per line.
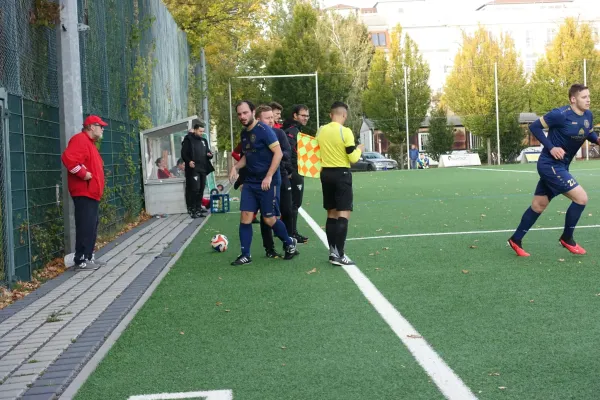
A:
451, 386
464, 233
208, 395
500, 170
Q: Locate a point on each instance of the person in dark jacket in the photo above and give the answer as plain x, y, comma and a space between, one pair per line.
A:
292, 127
197, 155
86, 186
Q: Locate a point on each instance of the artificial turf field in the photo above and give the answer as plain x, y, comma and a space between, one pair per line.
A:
510, 328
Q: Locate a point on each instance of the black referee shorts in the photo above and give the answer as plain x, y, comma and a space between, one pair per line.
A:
337, 188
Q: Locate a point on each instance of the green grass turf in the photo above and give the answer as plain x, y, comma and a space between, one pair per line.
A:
287, 335
482, 321
532, 321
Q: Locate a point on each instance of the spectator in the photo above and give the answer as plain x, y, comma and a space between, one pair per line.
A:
163, 172
86, 186
197, 155
423, 161
178, 170
414, 156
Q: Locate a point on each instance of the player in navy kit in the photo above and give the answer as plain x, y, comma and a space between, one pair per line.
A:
568, 128
262, 155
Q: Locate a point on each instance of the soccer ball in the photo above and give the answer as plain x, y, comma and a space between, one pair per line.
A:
219, 243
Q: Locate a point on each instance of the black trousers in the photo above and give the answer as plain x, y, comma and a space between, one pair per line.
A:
285, 207
297, 183
195, 183
86, 227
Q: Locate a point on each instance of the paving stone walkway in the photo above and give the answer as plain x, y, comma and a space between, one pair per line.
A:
47, 337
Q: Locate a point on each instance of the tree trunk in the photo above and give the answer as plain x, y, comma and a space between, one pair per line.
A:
489, 151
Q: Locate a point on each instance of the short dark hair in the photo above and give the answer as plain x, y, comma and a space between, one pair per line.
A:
158, 160
276, 106
250, 104
576, 88
297, 108
199, 125
339, 104
180, 161
261, 109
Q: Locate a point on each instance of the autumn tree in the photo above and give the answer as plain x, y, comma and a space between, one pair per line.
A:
563, 65
384, 100
470, 87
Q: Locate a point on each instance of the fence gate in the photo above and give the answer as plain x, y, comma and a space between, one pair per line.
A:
6, 231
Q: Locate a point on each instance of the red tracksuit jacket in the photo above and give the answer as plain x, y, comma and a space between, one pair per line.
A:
82, 156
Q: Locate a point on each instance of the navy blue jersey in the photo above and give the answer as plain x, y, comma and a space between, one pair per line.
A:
567, 130
257, 144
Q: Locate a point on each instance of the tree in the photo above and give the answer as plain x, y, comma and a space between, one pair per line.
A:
384, 99
301, 52
441, 135
470, 87
562, 66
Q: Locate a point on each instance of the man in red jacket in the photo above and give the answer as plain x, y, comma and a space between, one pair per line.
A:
86, 186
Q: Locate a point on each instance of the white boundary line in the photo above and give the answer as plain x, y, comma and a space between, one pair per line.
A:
91, 365
209, 395
464, 233
451, 386
500, 170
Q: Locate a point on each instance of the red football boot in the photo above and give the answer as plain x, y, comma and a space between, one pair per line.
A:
577, 249
518, 249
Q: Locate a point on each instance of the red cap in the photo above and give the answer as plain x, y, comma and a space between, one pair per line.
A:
94, 119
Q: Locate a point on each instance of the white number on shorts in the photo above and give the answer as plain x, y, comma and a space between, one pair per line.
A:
571, 182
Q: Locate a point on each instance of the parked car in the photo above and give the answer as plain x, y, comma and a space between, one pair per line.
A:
373, 161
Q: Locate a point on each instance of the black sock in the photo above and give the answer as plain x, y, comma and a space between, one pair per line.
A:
340, 237
516, 241
331, 231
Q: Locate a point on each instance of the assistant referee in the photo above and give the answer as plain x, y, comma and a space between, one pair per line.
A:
338, 151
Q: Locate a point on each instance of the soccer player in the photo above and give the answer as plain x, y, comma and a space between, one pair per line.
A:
277, 110
262, 155
568, 127
265, 115
338, 151
292, 127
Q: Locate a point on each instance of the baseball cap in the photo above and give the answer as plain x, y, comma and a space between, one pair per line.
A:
94, 119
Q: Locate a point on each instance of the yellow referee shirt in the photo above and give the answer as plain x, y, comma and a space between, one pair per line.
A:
338, 149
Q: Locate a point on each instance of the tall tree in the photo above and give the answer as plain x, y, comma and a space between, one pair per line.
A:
349, 36
470, 88
301, 52
384, 100
562, 66
441, 135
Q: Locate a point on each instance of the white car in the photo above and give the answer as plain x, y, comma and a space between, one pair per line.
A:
373, 161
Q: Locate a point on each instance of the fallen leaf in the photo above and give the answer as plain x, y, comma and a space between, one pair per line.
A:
219, 303
472, 246
501, 387
494, 374
561, 259
385, 248
598, 294
483, 215
415, 336
378, 269
227, 310
590, 214
312, 271
220, 278
531, 301
371, 254
376, 252
378, 230
283, 347
181, 333
465, 271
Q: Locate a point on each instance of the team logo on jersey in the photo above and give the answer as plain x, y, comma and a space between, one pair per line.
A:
252, 138
581, 132
299, 187
586, 123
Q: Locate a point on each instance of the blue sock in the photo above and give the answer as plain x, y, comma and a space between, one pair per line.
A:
281, 232
573, 214
527, 221
246, 238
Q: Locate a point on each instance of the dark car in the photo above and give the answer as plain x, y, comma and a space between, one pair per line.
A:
373, 161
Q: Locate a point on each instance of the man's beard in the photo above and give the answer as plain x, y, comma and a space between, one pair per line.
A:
250, 122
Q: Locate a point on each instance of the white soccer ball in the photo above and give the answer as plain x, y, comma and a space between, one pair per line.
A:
219, 243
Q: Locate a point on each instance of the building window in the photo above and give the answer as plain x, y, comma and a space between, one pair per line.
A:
423, 140
379, 39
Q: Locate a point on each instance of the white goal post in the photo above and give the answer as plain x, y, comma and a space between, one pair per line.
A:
316, 75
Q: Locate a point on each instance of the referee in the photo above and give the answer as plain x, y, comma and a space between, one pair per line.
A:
338, 151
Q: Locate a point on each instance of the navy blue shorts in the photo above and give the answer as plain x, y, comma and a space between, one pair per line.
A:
254, 198
554, 180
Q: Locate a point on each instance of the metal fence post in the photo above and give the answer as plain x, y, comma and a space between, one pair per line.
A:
5, 191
